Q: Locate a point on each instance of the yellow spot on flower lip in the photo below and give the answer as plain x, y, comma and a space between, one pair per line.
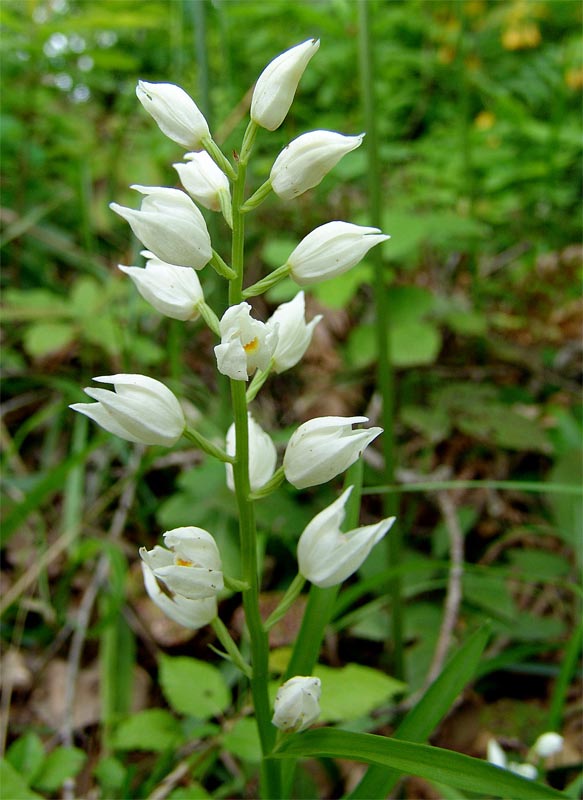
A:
183, 562
251, 346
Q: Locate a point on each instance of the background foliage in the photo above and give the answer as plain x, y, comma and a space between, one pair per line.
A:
478, 115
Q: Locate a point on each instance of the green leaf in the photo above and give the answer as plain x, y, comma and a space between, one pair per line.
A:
193, 687
568, 511
339, 701
193, 792
432, 763
361, 347
62, 763
433, 422
243, 740
427, 713
26, 755
414, 344
154, 729
111, 774
13, 786
48, 337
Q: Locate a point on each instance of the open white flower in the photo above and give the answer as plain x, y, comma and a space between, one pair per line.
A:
276, 86
176, 113
262, 455
246, 343
497, 756
170, 225
326, 556
141, 409
173, 291
331, 250
297, 704
189, 613
190, 567
295, 334
307, 159
324, 447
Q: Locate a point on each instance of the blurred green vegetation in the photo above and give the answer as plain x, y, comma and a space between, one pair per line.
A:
479, 125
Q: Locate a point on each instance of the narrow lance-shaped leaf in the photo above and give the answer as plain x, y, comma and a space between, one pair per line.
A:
432, 763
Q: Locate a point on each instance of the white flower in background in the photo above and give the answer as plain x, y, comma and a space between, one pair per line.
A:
276, 86
262, 455
295, 334
203, 180
326, 556
307, 159
170, 225
246, 343
297, 704
497, 756
331, 250
324, 447
176, 113
190, 567
173, 291
190, 613
548, 744
141, 409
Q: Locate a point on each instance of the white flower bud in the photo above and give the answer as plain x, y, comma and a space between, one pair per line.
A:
295, 334
140, 409
307, 159
190, 567
548, 744
173, 291
170, 225
262, 455
276, 86
203, 180
326, 556
176, 113
324, 447
331, 250
190, 613
297, 704
246, 343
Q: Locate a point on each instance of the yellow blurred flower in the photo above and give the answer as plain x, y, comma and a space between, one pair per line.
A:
446, 54
521, 37
485, 120
574, 78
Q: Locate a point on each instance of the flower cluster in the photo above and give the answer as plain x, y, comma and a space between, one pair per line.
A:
185, 577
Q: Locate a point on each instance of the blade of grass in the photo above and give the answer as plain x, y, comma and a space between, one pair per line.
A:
433, 763
427, 713
385, 372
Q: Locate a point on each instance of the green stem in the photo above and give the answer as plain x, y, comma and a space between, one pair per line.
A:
539, 487
258, 380
257, 197
247, 526
208, 447
220, 266
272, 484
385, 372
219, 157
266, 283
231, 648
289, 598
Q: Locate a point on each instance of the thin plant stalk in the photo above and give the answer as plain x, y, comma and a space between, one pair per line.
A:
247, 526
385, 375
